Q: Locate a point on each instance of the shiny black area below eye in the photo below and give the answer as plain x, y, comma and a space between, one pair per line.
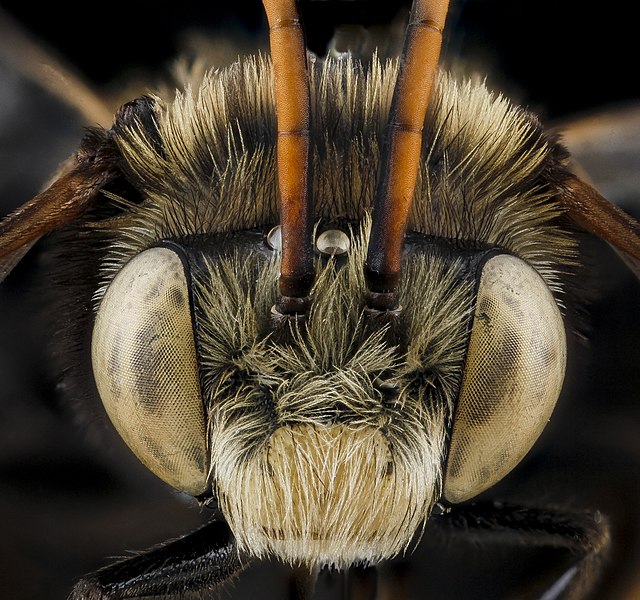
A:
256, 242
245, 242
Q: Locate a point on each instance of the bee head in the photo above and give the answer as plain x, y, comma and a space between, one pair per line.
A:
328, 389
330, 442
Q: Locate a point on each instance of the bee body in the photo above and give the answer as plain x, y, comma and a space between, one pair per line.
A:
282, 324
263, 419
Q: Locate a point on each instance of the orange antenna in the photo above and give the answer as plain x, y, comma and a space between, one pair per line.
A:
401, 153
291, 82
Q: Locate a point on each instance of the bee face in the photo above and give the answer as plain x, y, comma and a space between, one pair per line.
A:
325, 435
294, 426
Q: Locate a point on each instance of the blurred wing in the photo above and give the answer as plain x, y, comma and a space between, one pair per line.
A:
27, 63
40, 65
606, 151
606, 148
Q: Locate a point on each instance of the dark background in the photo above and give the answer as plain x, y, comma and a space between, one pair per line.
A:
558, 56
67, 504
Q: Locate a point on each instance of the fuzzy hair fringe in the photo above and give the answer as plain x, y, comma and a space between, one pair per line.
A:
291, 420
484, 175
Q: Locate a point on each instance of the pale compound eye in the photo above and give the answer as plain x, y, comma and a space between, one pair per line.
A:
274, 239
333, 242
512, 378
145, 366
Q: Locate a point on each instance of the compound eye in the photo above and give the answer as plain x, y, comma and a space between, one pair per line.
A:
512, 379
145, 367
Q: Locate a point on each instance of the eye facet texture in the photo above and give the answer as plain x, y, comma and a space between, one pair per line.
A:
512, 379
145, 367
